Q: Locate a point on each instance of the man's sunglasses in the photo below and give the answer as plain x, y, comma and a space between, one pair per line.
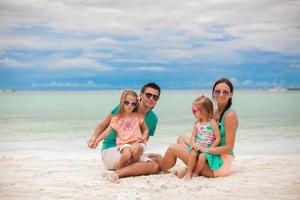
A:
153, 96
134, 104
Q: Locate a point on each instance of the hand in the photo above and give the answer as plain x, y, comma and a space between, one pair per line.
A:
141, 139
201, 148
91, 144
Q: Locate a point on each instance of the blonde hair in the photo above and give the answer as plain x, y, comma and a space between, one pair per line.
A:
205, 105
123, 96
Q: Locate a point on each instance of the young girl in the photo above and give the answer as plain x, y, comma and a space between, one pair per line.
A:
205, 133
131, 129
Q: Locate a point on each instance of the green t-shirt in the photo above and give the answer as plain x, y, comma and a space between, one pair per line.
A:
150, 119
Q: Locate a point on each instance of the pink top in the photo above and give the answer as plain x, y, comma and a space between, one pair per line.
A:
128, 130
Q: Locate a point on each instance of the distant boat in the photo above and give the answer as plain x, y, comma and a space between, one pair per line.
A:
293, 88
278, 89
7, 90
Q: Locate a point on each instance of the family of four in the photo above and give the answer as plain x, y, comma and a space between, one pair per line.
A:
126, 130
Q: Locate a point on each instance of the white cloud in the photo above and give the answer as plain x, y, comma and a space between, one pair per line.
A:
247, 83
295, 66
159, 31
147, 68
79, 62
57, 84
7, 62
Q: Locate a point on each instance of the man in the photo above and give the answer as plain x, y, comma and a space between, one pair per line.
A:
149, 96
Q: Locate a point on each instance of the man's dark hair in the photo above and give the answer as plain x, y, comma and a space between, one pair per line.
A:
151, 85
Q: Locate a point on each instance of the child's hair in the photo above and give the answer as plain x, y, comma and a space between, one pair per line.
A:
205, 105
123, 96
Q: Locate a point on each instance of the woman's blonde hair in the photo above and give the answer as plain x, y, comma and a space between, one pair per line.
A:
123, 97
205, 105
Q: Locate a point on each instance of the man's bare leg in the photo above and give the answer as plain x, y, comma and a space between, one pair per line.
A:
138, 168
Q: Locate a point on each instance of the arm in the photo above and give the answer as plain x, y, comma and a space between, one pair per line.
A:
192, 138
102, 136
99, 129
231, 124
216, 132
145, 130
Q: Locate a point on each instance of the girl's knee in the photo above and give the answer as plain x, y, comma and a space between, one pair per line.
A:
202, 156
137, 150
126, 154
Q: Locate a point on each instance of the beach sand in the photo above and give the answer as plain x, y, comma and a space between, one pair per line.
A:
49, 177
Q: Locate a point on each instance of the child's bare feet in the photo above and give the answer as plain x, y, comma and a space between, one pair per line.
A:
111, 177
180, 173
188, 177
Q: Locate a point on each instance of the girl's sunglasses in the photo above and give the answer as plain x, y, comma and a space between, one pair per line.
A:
195, 110
126, 103
153, 96
224, 92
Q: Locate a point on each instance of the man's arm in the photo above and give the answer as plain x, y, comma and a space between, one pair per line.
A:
99, 129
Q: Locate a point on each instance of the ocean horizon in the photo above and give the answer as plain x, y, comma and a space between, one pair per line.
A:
30, 118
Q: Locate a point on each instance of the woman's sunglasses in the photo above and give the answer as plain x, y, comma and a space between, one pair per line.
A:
153, 96
126, 103
224, 92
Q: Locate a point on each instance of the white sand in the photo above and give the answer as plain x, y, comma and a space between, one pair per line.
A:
40, 177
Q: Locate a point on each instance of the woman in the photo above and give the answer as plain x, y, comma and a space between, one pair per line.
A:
222, 93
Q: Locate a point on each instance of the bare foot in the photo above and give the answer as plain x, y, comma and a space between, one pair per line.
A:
111, 177
188, 177
180, 173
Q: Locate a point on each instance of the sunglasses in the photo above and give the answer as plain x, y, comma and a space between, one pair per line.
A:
153, 96
195, 110
127, 103
224, 92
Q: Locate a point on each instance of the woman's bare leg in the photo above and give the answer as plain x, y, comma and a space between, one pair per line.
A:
206, 171
173, 152
183, 139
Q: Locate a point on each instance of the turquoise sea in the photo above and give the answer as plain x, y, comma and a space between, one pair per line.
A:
61, 122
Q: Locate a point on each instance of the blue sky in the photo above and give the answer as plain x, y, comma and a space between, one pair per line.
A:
107, 44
